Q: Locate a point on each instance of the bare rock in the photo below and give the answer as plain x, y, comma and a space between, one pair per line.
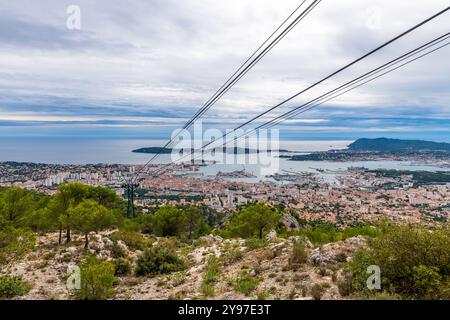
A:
122, 245
271, 235
356, 241
321, 258
108, 243
337, 252
72, 250
290, 222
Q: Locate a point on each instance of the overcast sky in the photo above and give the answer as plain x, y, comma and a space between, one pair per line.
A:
142, 67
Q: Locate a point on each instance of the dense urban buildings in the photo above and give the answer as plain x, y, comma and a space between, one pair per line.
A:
356, 195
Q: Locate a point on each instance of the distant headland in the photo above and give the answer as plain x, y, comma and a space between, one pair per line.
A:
396, 145
360, 150
381, 148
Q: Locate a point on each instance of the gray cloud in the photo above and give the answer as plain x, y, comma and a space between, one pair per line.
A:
165, 58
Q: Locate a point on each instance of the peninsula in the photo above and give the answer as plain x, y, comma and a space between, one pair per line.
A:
381, 149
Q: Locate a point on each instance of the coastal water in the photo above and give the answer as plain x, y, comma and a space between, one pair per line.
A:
119, 151
326, 169
112, 151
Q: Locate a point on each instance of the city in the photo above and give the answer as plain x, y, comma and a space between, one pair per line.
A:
224, 159
359, 196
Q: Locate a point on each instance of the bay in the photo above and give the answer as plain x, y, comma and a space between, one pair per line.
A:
119, 151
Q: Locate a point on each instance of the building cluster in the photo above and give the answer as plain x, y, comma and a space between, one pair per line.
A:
47, 177
358, 195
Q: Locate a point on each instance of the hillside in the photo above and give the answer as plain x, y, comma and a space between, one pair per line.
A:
274, 275
396, 145
381, 148
189, 252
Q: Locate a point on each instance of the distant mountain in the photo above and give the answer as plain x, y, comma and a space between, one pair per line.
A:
375, 149
397, 145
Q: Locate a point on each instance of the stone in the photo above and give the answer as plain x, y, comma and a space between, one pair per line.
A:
290, 222
108, 243
356, 241
72, 250
320, 258
271, 235
122, 245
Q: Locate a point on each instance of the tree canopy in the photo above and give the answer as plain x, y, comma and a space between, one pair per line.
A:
20, 208
253, 221
89, 216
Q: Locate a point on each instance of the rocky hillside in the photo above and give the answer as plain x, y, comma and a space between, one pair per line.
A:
270, 271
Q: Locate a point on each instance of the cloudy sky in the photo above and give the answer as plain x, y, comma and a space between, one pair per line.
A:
140, 68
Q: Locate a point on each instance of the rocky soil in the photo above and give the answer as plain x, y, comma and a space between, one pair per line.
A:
45, 269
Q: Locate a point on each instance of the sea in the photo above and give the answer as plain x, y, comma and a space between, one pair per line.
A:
119, 151
111, 151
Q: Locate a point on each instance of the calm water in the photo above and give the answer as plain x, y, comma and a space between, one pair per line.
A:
85, 151
333, 168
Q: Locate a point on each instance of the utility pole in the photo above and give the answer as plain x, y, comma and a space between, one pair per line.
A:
130, 187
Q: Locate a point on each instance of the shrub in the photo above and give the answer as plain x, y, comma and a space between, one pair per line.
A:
158, 260
317, 291
292, 295
207, 290
358, 271
364, 230
122, 267
180, 295
212, 271
97, 279
415, 262
15, 243
117, 251
322, 272
263, 295
345, 286
272, 290
134, 240
179, 278
334, 277
426, 281
232, 256
173, 244
168, 221
253, 244
246, 284
341, 257
132, 224
299, 255
11, 287
321, 233
385, 296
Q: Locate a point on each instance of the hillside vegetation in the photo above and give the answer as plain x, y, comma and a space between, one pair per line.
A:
196, 253
396, 145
